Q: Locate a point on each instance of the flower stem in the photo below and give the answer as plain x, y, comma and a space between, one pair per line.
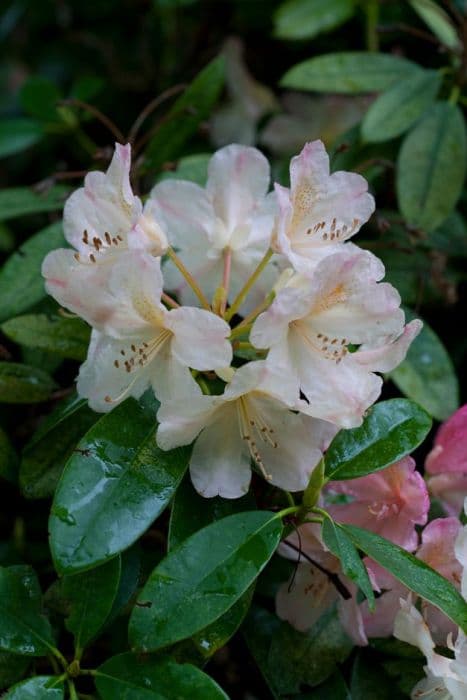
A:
239, 331
287, 511
239, 299
248, 320
372, 13
72, 690
189, 278
169, 301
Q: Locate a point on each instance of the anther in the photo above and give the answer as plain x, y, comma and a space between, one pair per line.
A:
76, 257
108, 240
107, 399
92, 258
116, 364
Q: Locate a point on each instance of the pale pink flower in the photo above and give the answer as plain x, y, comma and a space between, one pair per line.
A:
101, 221
231, 216
137, 342
460, 549
252, 419
320, 210
446, 464
390, 502
312, 322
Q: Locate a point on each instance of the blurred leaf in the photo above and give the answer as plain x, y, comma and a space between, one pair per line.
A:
334, 688
87, 87
349, 72
7, 239
131, 677
431, 167
190, 512
23, 628
12, 668
438, 21
18, 134
341, 546
67, 337
450, 237
304, 19
182, 120
117, 474
412, 572
38, 688
21, 283
399, 107
370, 682
39, 98
427, 374
206, 575
24, 384
21, 201
45, 455
88, 599
193, 168
8, 459
391, 430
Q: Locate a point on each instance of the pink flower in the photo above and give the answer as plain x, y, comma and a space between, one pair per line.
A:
447, 463
389, 502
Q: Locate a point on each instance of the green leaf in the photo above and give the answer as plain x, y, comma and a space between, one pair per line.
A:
21, 283
260, 628
67, 337
129, 677
182, 120
412, 572
305, 19
370, 682
88, 599
193, 168
391, 430
431, 167
21, 201
45, 455
451, 237
17, 135
8, 459
341, 546
427, 375
24, 629
348, 72
205, 575
38, 688
24, 384
39, 98
12, 668
190, 512
438, 21
113, 487
399, 107
334, 688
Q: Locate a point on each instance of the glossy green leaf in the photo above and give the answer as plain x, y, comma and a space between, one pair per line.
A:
304, 19
399, 107
88, 600
67, 337
391, 430
115, 484
427, 375
412, 572
431, 166
38, 688
18, 134
21, 201
438, 21
190, 512
21, 283
341, 546
39, 98
189, 110
8, 458
24, 384
193, 168
23, 629
348, 72
128, 677
12, 668
129, 580
46, 454
205, 575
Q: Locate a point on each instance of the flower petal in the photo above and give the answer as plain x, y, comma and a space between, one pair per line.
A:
200, 338
389, 355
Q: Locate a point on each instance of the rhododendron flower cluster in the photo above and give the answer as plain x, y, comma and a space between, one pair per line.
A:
178, 290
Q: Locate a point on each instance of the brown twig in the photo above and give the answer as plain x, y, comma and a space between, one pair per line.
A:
333, 578
154, 104
108, 123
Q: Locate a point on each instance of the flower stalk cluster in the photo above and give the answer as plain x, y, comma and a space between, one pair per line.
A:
259, 289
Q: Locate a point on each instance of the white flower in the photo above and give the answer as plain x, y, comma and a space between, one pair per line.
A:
461, 554
101, 220
312, 322
251, 420
231, 216
320, 210
138, 343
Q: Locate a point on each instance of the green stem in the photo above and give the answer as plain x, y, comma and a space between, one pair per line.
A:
290, 499
455, 94
287, 511
372, 16
58, 655
240, 298
88, 672
189, 278
72, 690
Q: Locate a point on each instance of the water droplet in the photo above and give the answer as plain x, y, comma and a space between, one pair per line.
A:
64, 515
